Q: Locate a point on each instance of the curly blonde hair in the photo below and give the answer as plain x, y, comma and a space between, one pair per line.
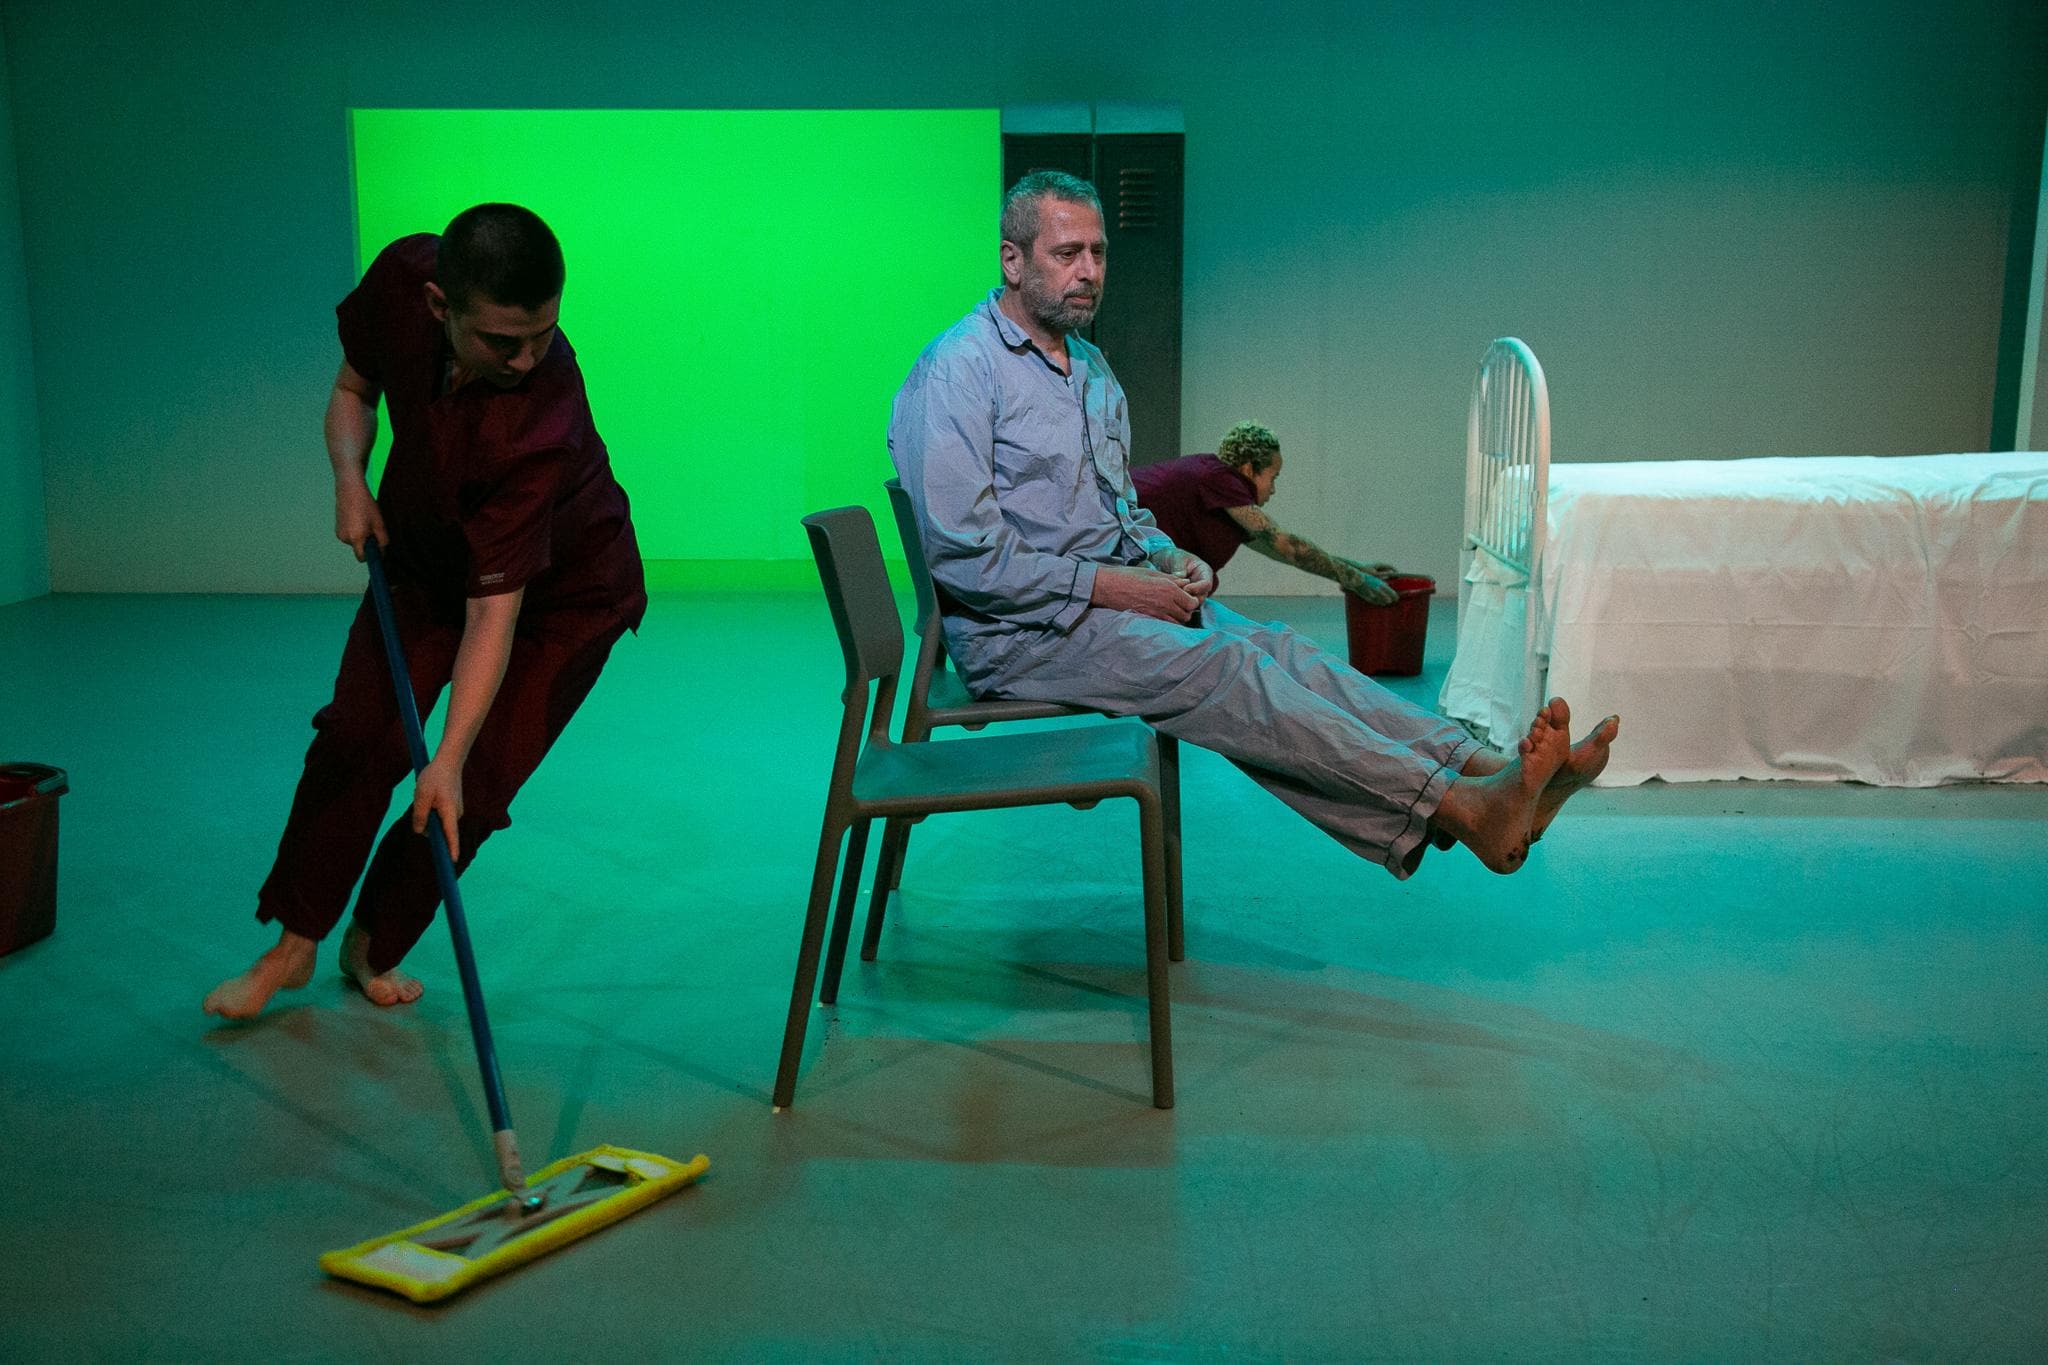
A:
1249, 446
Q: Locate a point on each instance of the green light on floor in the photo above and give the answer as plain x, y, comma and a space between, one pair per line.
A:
746, 291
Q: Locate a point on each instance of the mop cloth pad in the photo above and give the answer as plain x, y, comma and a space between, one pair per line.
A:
445, 1255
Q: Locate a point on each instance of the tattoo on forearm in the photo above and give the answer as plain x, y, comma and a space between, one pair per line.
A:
1275, 543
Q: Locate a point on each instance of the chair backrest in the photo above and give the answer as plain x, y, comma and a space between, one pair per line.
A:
913, 555
857, 590
931, 643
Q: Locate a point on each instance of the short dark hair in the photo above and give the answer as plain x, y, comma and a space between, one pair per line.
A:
501, 251
1020, 205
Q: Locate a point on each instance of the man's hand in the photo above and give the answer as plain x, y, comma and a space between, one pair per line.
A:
1147, 591
356, 517
438, 791
1194, 574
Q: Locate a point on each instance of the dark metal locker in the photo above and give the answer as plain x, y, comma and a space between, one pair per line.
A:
1139, 177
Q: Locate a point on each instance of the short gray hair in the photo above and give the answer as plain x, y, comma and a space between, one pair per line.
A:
1020, 205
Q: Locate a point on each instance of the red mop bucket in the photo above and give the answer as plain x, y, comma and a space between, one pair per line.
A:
28, 852
1387, 641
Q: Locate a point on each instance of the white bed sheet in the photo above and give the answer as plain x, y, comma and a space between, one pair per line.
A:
1881, 619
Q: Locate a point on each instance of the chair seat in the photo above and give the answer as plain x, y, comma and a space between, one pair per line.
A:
989, 771
949, 703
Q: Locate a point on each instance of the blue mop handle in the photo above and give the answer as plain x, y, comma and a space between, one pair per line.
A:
444, 868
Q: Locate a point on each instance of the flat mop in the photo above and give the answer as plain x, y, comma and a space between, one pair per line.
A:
528, 1217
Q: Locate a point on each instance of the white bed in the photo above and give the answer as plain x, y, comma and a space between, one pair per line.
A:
1880, 619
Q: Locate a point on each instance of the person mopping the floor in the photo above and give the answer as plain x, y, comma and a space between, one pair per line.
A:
513, 570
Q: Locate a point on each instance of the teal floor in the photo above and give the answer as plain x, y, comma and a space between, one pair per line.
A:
1729, 1072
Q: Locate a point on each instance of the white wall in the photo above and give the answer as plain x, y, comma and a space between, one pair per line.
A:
1726, 230
24, 557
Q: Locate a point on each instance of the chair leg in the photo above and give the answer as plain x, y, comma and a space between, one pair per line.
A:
842, 918
1169, 804
1152, 836
902, 851
829, 840
888, 874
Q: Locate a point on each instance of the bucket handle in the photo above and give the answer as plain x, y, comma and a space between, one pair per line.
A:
51, 783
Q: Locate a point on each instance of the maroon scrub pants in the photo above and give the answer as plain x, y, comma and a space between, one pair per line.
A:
358, 757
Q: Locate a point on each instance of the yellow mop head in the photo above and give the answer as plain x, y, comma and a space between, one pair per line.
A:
580, 1194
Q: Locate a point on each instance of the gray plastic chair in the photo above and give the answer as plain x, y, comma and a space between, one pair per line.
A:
937, 697
875, 778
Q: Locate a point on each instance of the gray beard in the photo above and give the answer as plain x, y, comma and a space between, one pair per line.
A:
1072, 317
1060, 315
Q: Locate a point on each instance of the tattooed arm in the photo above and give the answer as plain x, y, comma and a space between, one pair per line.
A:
1274, 543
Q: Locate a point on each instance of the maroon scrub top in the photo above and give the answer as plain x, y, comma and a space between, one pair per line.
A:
488, 490
1190, 498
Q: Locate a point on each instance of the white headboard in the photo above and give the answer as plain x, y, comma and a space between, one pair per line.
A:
1507, 457
1507, 484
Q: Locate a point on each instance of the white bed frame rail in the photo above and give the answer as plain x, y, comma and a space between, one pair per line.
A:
1507, 483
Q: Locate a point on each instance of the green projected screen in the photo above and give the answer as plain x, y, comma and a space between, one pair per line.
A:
747, 289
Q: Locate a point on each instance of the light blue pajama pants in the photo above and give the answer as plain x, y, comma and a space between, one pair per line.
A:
1364, 765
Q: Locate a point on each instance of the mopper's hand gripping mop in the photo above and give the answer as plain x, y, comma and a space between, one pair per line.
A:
528, 1218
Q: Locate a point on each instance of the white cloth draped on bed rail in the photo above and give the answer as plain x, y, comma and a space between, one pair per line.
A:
1881, 619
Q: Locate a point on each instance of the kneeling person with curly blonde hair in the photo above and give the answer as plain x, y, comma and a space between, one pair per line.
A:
1212, 503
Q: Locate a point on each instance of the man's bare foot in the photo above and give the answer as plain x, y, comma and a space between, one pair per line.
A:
1492, 814
382, 988
1586, 761
287, 966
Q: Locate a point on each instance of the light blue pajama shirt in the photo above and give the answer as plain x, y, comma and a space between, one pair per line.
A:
1021, 480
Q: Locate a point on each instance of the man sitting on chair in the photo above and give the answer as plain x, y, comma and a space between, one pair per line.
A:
1211, 504
1012, 439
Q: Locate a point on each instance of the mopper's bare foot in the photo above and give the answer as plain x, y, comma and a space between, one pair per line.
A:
1586, 760
1492, 814
382, 988
287, 966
